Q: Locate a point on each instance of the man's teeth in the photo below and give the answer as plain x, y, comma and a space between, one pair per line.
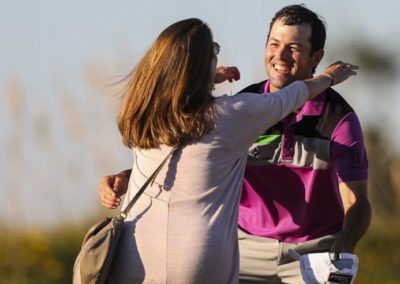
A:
281, 67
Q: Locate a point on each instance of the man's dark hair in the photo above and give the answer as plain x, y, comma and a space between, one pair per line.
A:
299, 14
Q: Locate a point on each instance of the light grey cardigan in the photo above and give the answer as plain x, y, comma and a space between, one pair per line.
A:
183, 229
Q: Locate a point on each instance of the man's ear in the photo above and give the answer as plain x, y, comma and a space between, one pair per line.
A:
317, 56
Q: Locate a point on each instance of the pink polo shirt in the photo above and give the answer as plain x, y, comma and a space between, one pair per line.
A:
290, 190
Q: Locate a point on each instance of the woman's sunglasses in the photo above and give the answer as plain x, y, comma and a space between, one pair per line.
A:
216, 48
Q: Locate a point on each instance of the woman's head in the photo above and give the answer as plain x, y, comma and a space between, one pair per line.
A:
168, 99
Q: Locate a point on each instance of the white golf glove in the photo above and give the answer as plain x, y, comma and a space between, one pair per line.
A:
327, 267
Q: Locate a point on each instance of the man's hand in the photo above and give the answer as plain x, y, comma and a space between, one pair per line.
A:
111, 188
226, 73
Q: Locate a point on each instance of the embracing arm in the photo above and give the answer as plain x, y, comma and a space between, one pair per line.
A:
357, 218
332, 75
111, 188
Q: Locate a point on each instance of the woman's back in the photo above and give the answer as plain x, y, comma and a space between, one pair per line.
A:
184, 227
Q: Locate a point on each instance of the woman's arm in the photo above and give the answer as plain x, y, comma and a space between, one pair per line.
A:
332, 75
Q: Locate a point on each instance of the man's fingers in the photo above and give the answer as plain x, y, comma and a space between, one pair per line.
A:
111, 197
108, 180
110, 201
106, 184
108, 196
109, 204
120, 185
117, 183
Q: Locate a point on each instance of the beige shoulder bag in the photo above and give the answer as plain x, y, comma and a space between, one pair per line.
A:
94, 260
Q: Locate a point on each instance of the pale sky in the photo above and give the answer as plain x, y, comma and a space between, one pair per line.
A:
45, 36
46, 47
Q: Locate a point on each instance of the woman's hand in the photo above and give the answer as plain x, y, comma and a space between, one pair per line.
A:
223, 73
332, 75
340, 71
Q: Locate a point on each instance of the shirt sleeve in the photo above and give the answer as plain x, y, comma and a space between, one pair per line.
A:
348, 150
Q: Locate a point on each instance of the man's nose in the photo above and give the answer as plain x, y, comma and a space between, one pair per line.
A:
283, 52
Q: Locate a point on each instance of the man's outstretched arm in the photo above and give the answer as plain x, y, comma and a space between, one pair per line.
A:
357, 218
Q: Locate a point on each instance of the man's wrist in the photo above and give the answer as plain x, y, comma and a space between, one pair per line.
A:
125, 173
341, 245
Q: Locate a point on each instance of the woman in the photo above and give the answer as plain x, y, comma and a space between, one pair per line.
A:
183, 229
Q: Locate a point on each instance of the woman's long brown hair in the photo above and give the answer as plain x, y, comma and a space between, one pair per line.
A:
168, 96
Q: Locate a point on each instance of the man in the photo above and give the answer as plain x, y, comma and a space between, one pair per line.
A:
305, 185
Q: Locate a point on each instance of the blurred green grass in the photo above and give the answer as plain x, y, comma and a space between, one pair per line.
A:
47, 256
39, 255
379, 252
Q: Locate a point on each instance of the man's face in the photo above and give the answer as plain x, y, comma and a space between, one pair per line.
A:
287, 55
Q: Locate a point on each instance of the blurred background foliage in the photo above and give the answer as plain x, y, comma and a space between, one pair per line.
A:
45, 254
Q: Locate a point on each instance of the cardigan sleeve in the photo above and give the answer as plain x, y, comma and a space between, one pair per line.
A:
244, 116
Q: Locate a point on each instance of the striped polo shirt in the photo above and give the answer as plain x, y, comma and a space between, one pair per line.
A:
290, 191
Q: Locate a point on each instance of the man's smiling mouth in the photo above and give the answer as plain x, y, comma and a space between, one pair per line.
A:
281, 68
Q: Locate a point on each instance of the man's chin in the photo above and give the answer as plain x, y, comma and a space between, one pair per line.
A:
279, 84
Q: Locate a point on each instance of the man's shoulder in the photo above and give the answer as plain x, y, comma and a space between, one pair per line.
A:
336, 101
336, 109
254, 88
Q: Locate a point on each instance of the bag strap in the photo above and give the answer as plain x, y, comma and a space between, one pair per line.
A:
124, 213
